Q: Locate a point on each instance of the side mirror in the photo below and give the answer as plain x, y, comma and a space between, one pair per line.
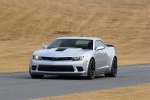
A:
44, 46
99, 48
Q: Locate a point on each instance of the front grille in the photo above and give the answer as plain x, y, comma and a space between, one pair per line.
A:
56, 68
56, 58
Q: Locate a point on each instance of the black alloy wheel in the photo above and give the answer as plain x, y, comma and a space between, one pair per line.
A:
91, 69
114, 68
37, 76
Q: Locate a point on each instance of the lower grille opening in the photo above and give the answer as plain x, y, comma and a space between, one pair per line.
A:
56, 68
34, 67
79, 68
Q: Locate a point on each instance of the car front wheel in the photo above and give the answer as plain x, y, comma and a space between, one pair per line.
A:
37, 76
91, 69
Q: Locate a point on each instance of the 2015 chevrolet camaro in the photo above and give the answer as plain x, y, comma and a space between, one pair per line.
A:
74, 56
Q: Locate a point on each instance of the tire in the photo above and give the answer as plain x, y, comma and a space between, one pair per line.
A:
114, 67
91, 69
37, 76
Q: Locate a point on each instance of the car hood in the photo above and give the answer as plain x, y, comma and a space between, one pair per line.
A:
61, 52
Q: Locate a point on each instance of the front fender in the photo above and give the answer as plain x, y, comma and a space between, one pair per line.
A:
88, 57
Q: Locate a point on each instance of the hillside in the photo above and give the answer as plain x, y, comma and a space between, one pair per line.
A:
27, 24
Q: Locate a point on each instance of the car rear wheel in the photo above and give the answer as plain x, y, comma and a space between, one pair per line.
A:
113, 72
91, 69
37, 76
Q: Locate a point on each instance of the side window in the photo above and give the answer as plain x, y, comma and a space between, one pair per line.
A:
99, 43
85, 44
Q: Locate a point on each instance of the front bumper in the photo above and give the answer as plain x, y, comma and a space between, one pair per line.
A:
75, 64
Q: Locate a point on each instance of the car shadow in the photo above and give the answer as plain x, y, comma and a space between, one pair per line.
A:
69, 77
50, 77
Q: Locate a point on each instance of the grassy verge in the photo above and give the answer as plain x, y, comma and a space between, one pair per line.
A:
139, 92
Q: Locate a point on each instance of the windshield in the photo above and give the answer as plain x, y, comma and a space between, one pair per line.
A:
73, 43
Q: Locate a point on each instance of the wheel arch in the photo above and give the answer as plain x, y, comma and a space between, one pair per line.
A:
92, 58
110, 63
89, 59
112, 72
115, 58
89, 68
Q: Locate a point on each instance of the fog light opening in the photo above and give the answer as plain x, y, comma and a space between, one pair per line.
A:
34, 67
80, 69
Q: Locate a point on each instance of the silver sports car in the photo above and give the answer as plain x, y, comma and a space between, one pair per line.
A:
74, 56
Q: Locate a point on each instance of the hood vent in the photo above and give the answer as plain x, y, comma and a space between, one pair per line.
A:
61, 49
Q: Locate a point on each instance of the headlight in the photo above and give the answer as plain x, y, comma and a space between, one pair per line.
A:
78, 58
37, 57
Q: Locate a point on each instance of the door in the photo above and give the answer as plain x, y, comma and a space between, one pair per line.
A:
101, 57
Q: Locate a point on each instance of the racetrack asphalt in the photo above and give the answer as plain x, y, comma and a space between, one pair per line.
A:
19, 86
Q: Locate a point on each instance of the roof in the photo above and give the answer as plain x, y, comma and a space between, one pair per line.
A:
91, 38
